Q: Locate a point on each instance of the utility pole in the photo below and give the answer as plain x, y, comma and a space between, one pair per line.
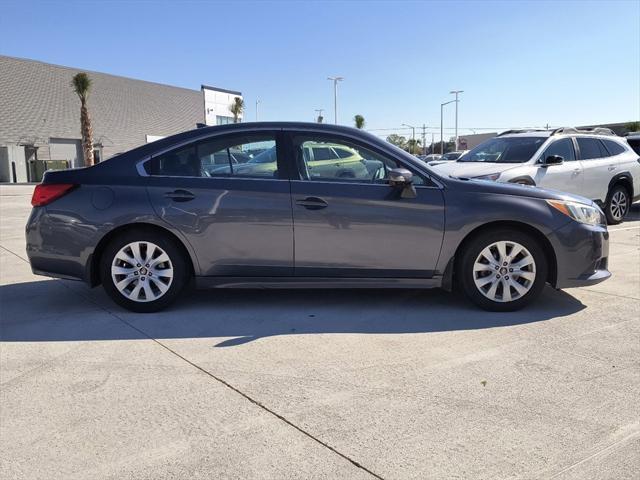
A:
413, 135
257, 103
335, 96
456, 92
424, 139
441, 125
319, 116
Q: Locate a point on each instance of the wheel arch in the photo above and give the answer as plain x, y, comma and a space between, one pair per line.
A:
550, 254
93, 274
623, 178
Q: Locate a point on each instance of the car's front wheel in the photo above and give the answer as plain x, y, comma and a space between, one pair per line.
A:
618, 203
503, 270
143, 270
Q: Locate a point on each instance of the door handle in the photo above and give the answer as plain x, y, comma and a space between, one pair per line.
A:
180, 195
611, 167
577, 171
312, 203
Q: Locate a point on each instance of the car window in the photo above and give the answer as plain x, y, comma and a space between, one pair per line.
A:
226, 156
614, 148
323, 153
591, 148
563, 148
353, 163
504, 150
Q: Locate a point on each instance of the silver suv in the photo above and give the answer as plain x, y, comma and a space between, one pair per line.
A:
596, 164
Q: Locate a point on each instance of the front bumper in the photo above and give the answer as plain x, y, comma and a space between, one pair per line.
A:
582, 253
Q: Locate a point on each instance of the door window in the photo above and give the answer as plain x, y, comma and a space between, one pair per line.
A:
591, 148
563, 148
325, 159
236, 156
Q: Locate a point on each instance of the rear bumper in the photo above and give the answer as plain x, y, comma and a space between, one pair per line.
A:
582, 253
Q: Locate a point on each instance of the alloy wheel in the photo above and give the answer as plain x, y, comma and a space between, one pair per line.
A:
142, 271
504, 271
619, 205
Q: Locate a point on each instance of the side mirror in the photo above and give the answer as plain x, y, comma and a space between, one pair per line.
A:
552, 160
402, 179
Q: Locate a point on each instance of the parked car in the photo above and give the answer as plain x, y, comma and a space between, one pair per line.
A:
144, 223
430, 158
447, 157
596, 164
322, 159
633, 139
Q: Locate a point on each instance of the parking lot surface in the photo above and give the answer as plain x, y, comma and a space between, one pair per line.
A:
316, 384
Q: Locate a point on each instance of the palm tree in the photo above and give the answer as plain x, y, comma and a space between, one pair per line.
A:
81, 84
359, 120
236, 108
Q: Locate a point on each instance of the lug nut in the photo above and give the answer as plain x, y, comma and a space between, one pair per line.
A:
147, 265
497, 276
135, 273
511, 269
138, 265
142, 278
506, 278
505, 264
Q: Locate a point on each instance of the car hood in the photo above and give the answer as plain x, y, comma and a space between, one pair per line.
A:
472, 169
516, 189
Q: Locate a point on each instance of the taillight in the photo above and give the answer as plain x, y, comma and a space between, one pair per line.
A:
48, 192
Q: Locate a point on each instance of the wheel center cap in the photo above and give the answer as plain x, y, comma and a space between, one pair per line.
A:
143, 271
503, 271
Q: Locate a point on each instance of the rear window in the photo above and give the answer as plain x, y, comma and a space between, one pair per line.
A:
614, 147
591, 148
505, 150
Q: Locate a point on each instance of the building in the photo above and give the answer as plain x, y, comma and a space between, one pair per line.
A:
40, 115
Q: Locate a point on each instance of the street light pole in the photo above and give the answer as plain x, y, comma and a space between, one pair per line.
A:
335, 96
456, 92
441, 124
413, 135
257, 103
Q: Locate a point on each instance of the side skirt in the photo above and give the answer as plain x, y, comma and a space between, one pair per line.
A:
316, 282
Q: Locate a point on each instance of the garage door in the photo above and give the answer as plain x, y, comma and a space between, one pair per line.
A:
66, 149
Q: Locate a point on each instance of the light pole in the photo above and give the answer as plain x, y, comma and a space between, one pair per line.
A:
456, 92
257, 103
413, 135
335, 96
441, 125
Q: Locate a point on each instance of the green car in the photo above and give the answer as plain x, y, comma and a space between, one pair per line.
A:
323, 160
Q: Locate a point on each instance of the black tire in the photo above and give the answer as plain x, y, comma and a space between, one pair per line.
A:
612, 205
470, 252
178, 261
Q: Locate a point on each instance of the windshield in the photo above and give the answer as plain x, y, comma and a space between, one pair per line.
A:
504, 150
451, 156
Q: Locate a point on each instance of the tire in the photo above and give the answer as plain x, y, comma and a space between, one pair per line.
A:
617, 204
117, 264
484, 284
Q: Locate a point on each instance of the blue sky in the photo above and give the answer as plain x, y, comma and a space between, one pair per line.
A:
519, 63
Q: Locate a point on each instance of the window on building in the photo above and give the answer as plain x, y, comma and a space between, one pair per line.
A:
222, 120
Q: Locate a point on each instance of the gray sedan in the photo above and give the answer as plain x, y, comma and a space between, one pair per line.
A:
146, 222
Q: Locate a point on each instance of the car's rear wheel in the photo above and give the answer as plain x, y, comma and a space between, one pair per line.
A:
503, 270
143, 270
618, 203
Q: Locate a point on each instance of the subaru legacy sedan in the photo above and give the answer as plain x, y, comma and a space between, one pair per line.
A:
324, 206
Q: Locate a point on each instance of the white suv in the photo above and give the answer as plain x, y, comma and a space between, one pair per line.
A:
596, 164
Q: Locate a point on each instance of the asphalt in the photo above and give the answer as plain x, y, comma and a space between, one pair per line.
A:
316, 384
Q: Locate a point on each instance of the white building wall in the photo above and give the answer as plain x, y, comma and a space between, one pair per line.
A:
217, 102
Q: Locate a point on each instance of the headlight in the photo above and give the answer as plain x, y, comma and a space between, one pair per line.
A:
580, 212
492, 177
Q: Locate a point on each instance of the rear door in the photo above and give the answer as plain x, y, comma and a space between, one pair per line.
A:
356, 225
598, 165
567, 177
237, 216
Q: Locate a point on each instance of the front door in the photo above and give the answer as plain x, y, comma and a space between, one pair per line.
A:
348, 222
236, 217
566, 177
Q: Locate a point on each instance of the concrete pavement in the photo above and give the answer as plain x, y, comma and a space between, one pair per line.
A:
317, 384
